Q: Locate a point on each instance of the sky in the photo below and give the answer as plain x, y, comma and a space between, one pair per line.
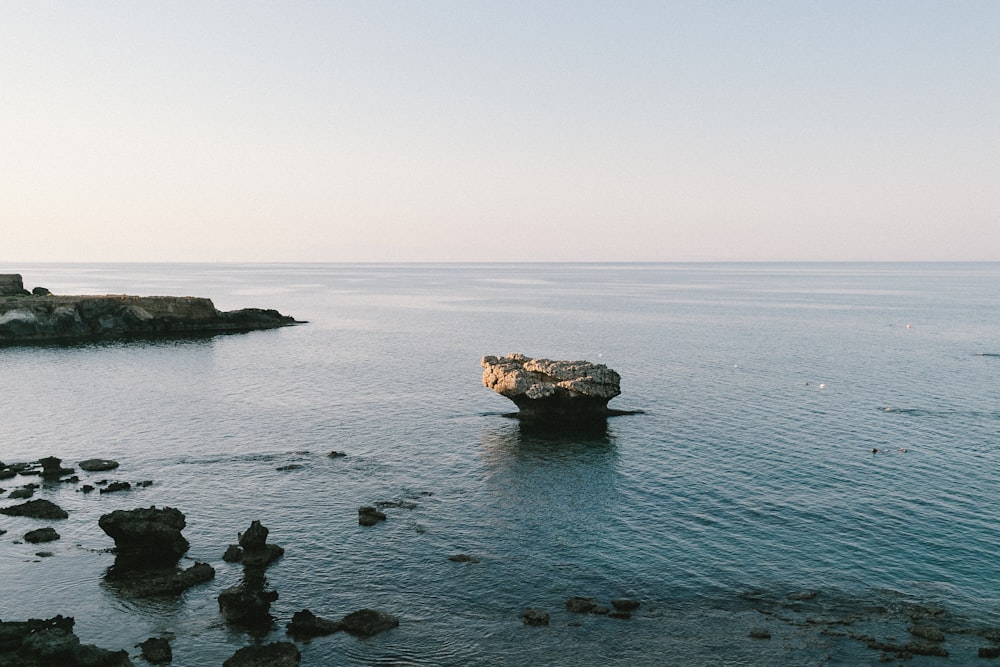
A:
409, 131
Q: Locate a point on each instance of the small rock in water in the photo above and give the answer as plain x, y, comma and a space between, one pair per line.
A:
96, 465
535, 617
760, 633
306, 624
156, 650
40, 535
625, 605
336, 455
234, 554
367, 622
369, 516
579, 605
463, 558
116, 486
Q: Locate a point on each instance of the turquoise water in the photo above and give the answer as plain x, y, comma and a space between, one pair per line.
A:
748, 477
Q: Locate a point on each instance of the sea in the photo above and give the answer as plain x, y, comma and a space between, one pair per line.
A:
811, 475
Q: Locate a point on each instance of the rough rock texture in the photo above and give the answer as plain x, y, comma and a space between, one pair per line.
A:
11, 284
256, 552
41, 535
52, 643
51, 318
156, 651
278, 654
247, 607
536, 617
552, 389
146, 538
158, 582
367, 622
36, 509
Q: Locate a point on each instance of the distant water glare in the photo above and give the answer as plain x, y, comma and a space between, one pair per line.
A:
816, 460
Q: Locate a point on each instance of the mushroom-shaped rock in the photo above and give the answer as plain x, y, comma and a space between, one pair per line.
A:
146, 537
550, 389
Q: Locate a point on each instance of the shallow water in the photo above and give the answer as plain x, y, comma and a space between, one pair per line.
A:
749, 475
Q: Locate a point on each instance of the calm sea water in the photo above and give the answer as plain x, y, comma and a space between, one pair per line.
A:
749, 477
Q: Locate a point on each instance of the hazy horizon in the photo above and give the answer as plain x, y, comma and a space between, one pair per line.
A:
392, 132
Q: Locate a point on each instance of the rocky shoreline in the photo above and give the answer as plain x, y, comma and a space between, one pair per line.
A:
149, 545
42, 317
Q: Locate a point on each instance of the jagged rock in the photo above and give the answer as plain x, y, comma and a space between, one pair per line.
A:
255, 537
369, 516
256, 552
367, 622
306, 624
277, 654
36, 509
97, 465
156, 651
52, 467
146, 538
41, 535
549, 389
536, 617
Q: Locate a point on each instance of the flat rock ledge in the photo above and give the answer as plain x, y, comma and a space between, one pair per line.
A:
552, 390
47, 318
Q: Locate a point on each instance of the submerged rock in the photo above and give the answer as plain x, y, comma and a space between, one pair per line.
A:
306, 624
535, 617
277, 654
368, 622
542, 388
158, 582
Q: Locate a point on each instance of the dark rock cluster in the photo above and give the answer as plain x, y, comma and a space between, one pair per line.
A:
52, 643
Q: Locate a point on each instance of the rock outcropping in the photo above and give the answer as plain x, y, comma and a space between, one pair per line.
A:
27, 318
542, 388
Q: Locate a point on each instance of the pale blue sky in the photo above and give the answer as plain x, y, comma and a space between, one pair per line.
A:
499, 131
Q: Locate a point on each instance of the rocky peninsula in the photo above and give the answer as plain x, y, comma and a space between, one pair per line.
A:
41, 317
